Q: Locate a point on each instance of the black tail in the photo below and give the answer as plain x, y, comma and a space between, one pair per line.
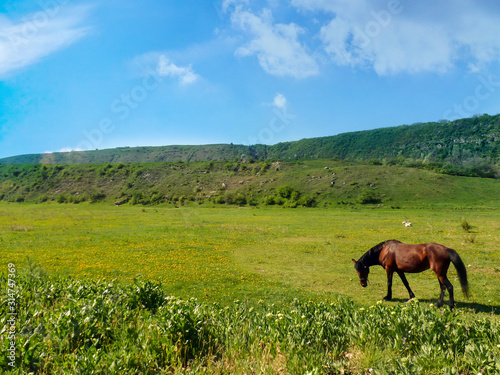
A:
462, 272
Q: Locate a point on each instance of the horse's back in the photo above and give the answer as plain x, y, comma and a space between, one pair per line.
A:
412, 258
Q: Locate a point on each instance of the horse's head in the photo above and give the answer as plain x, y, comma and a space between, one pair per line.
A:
363, 272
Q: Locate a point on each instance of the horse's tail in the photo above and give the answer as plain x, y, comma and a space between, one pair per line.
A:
462, 272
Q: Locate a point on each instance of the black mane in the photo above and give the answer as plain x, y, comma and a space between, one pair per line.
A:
370, 258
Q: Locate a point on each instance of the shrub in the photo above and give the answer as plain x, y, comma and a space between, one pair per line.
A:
41, 199
308, 201
285, 191
229, 198
411, 163
465, 225
295, 196
232, 166
219, 199
75, 199
156, 198
146, 294
240, 200
272, 200
253, 202
96, 197
137, 198
61, 198
369, 196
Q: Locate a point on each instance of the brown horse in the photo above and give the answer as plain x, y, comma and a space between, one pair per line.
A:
398, 257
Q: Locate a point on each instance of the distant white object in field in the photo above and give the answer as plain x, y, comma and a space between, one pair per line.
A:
406, 223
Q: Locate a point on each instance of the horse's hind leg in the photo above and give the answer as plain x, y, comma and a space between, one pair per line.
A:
441, 296
444, 280
405, 282
390, 272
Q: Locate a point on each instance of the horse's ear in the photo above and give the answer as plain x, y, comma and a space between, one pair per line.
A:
354, 261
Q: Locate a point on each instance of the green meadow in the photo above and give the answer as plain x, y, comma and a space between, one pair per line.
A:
110, 289
219, 254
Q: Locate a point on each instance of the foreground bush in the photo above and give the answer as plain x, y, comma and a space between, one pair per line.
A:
83, 326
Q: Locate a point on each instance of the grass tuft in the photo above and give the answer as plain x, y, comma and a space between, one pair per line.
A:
465, 225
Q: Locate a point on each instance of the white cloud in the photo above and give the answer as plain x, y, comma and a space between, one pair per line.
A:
70, 149
185, 74
276, 45
227, 4
408, 37
64, 149
279, 101
37, 35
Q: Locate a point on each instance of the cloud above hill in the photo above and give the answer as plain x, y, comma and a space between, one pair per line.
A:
37, 35
279, 101
408, 37
276, 45
185, 74
395, 37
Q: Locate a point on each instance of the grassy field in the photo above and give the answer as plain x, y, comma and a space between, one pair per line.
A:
226, 253
293, 262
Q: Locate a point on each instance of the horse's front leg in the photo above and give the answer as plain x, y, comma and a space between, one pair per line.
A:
405, 282
390, 272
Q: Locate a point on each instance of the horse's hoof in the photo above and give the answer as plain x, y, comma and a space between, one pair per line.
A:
386, 298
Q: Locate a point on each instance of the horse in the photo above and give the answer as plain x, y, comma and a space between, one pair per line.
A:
398, 257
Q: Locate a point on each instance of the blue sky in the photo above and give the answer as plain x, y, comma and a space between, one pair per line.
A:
78, 75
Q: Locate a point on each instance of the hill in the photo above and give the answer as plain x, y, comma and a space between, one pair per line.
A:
214, 152
245, 183
467, 146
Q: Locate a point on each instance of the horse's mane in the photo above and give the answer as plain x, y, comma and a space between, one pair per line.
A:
370, 258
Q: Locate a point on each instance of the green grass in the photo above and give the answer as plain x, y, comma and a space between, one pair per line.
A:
221, 253
285, 262
80, 326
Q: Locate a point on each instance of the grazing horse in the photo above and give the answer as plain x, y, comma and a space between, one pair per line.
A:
398, 257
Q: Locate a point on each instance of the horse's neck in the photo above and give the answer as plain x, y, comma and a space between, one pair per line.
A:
371, 258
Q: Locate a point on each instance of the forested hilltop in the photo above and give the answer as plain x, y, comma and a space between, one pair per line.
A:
468, 146
461, 145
